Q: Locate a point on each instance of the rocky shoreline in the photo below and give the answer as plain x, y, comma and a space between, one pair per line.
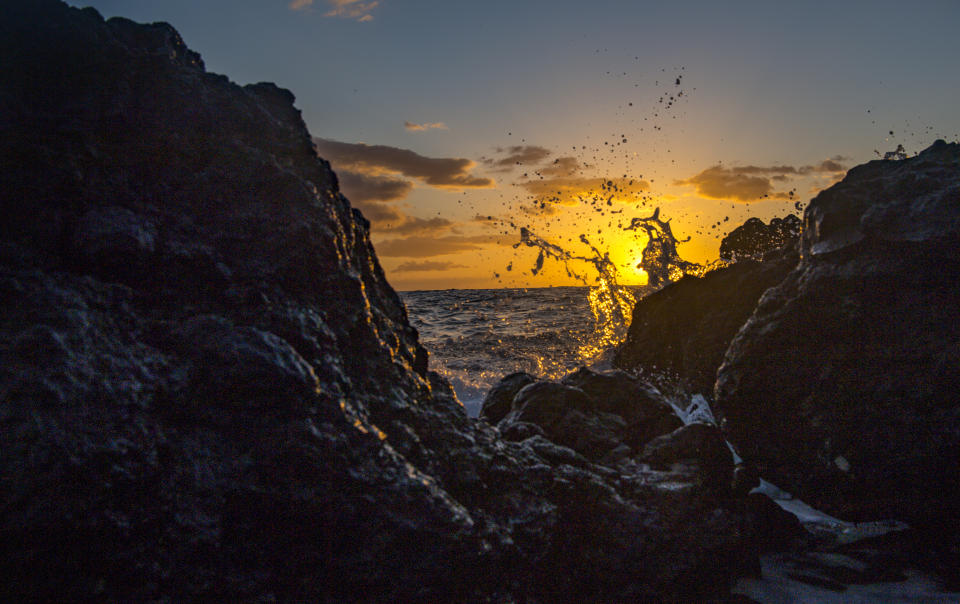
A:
208, 389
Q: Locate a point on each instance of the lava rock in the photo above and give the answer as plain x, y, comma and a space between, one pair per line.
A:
518, 431
499, 399
702, 444
774, 527
683, 330
567, 416
753, 240
841, 387
643, 408
209, 391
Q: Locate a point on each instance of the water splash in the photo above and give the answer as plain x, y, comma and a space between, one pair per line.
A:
610, 302
660, 259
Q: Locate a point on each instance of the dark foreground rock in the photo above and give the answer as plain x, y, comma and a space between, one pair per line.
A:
208, 391
683, 330
599, 415
754, 239
842, 386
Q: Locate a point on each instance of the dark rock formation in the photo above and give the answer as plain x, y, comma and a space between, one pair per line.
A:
208, 391
499, 399
595, 414
684, 329
642, 408
842, 387
754, 239
702, 444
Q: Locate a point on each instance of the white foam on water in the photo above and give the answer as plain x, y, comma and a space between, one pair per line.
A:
698, 410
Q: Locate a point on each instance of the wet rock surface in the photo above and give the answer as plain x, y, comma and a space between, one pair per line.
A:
842, 385
599, 415
683, 330
209, 391
754, 239
498, 401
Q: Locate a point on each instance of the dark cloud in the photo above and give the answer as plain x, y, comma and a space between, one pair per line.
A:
516, 155
752, 183
377, 160
723, 183
829, 165
359, 187
561, 166
419, 246
389, 219
379, 213
414, 225
427, 265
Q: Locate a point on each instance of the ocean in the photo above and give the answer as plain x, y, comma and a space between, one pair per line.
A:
475, 337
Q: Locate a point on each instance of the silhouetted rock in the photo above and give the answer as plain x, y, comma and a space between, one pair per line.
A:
590, 412
568, 417
774, 527
753, 239
684, 329
842, 386
499, 399
640, 405
208, 391
701, 444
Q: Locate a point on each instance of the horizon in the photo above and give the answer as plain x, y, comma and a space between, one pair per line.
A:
571, 120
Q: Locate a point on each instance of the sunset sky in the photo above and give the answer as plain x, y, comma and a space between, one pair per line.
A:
451, 124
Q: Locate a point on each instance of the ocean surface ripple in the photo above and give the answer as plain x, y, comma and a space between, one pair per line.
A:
475, 337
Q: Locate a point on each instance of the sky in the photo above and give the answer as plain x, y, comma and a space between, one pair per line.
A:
452, 124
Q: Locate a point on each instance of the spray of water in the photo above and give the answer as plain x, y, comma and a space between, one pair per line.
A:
661, 260
611, 302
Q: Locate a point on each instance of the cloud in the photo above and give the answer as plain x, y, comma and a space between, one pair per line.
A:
516, 155
419, 246
359, 187
380, 214
547, 209
379, 160
389, 219
425, 126
427, 265
368, 178
723, 183
350, 9
572, 190
561, 166
415, 225
752, 183
300, 4
830, 165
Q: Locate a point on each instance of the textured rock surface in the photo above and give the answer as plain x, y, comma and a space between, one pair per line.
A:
842, 386
754, 238
599, 415
684, 329
499, 399
209, 391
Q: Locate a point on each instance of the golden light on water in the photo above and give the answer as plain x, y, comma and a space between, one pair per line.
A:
638, 270
612, 306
